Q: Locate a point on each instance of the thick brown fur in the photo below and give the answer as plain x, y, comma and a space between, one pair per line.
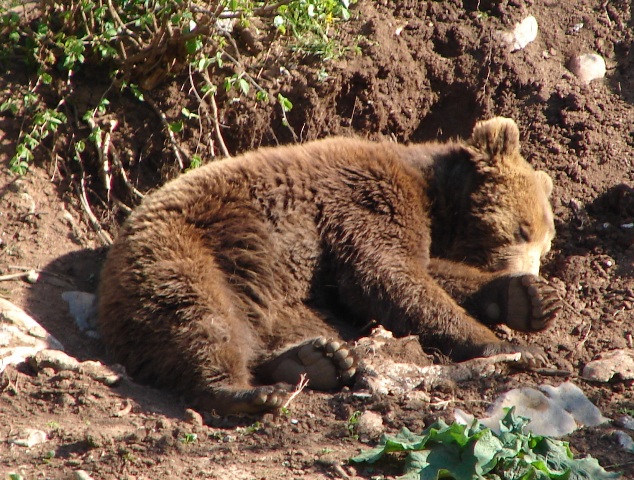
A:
218, 272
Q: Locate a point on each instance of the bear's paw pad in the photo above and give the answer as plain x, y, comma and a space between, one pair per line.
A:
327, 364
533, 304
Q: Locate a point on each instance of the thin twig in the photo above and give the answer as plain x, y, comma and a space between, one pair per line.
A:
259, 12
117, 18
583, 341
202, 108
243, 73
15, 276
216, 121
178, 151
117, 163
303, 382
83, 200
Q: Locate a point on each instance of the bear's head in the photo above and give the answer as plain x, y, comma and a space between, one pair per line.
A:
507, 219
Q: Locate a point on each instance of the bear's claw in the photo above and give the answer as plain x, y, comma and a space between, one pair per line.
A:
269, 397
531, 356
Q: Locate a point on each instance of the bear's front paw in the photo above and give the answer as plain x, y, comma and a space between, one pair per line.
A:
532, 303
532, 356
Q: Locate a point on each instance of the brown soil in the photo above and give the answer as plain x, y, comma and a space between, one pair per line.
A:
423, 70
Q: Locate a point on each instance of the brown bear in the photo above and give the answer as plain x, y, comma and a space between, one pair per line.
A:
224, 284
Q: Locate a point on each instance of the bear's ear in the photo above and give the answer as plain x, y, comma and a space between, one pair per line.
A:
545, 181
495, 138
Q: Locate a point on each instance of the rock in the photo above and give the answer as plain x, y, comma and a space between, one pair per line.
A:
14, 315
587, 67
29, 438
82, 475
553, 411
21, 336
369, 426
523, 34
624, 421
624, 441
60, 361
193, 417
609, 364
83, 308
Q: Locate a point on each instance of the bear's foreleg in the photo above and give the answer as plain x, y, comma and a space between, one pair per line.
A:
524, 302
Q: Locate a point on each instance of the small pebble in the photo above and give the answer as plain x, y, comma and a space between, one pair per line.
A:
370, 425
193, 417
624, 440
82, 475
32, 276
587, 67
624, 421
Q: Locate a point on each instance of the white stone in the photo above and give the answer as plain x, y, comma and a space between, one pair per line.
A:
587, 67
83, 308
523, 34
609, 364
29, 438
553, 411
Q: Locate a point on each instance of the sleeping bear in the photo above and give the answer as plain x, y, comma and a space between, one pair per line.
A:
233, 280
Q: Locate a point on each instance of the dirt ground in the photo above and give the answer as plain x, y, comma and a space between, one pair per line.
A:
419, 71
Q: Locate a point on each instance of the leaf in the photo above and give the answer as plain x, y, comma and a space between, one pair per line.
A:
286, 104
476, 452
177, 126
244, 86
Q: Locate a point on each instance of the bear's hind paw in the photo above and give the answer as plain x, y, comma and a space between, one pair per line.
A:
327, 364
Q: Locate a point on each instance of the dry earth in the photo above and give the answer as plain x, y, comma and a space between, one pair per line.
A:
422, 70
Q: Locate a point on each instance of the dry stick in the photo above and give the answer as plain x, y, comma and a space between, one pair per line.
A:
221, 141
117, 163
216, 122
102, 144
303, 382
14, 276
175, 147
83, 200
201, 107
121, 205
585, 337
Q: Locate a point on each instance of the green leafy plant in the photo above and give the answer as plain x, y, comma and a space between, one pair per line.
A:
189, 438
476, 452
141, 43
310, 23
251, 429
352, 424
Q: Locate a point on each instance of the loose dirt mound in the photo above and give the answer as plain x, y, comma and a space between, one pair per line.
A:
419, 71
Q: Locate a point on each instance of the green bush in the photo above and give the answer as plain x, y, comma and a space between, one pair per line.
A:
140, 44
